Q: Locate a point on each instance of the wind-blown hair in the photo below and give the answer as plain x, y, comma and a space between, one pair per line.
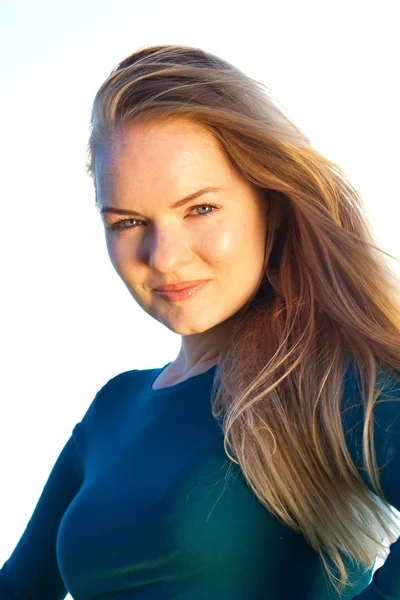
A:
328, 301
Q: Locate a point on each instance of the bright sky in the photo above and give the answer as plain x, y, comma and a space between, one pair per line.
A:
68, 323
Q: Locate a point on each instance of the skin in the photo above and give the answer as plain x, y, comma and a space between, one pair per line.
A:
151, 166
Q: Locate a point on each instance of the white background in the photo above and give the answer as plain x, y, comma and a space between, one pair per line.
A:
68, 323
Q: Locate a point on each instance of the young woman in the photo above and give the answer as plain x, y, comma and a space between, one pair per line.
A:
264, 461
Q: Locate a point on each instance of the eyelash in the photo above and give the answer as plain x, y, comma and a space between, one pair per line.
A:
118, 225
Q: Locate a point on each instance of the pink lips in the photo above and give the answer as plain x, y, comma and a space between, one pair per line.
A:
182, 294
172, 287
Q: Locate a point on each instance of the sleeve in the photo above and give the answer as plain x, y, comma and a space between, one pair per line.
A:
385, 583
32, 571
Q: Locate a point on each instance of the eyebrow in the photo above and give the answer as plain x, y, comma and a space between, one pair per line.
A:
178, 204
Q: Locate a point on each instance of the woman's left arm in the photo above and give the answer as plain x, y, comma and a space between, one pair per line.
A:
385, 583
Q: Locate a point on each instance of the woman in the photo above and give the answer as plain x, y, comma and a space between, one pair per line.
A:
264, 461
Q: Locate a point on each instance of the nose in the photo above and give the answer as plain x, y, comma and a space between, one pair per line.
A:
167, 250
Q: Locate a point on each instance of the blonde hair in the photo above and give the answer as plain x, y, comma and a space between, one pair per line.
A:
328, 302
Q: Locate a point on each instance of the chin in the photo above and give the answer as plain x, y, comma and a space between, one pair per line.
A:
187, 329
187, 325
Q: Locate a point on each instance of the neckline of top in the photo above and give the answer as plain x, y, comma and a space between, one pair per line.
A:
154, 373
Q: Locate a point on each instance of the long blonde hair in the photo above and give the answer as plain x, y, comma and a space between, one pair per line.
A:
328, 301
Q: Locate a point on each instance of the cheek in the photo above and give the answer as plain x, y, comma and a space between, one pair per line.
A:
112, 250
220, 243
120, 254
240, 249
235, 242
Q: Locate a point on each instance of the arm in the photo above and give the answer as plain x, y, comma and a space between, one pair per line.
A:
32, 571
385, 583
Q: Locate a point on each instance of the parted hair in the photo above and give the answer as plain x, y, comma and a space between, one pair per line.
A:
328, 300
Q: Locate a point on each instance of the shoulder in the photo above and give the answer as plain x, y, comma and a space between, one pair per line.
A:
385, 418
125, 381
116, 393
386, 412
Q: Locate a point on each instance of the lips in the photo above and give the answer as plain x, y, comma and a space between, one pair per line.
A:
183, 294
175, 287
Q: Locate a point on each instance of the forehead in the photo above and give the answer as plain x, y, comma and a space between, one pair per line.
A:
151, 141
160, 152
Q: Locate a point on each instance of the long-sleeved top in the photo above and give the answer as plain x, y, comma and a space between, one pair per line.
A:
143, 503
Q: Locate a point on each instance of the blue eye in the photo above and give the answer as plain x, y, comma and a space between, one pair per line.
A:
131, 223
204, 206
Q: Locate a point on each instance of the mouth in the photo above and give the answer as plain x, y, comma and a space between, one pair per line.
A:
174, 287
182, 294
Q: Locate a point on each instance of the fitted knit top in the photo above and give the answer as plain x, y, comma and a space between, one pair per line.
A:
143, 503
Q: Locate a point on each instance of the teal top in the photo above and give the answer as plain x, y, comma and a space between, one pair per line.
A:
143, 503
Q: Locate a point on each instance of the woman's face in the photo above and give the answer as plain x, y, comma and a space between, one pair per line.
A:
151, 243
